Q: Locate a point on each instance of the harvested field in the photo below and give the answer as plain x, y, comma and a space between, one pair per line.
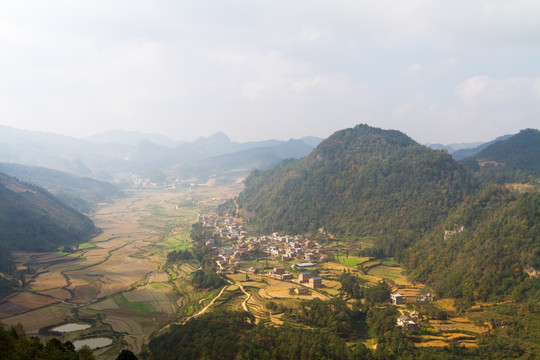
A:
48, 258
34, 320
48, 280
123, 324
447, 325
60, 294
434, 343
85, 293
105, 304
459, 336
157, 277
30, 300
8, 308
335, 266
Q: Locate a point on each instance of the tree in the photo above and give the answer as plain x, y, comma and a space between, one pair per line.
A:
126, 355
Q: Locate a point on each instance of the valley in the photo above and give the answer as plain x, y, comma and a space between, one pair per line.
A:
120, 285
350, 247
118, 282
115, 281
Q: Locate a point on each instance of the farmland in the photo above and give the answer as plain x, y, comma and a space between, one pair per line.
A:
115, 281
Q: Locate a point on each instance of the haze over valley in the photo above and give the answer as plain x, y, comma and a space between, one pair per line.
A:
142, 267
284, 180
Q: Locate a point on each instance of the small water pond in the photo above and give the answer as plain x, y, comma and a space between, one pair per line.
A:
93, 343
71, 327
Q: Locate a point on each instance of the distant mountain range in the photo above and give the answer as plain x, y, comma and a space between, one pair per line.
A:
118, 155
464, 150
81, 193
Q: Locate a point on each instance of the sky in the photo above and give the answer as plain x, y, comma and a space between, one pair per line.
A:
440, 71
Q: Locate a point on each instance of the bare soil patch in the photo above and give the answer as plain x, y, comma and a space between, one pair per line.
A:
60, 294
8, 308
48, 280
30, 300
34, 320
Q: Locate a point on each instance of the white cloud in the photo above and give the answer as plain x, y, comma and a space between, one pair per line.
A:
337, 88
266, 69
537, 87
410, 106
483, 90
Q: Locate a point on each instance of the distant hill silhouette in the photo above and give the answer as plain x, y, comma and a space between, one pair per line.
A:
468, 152
32, 219
82, 193
515, 159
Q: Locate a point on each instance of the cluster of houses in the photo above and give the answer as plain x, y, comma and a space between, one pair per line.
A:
406, 321
285, 248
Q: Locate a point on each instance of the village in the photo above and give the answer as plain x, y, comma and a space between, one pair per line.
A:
235, 252
297, 255
308, 270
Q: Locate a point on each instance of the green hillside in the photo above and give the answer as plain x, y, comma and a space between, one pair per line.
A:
32, 219
491, 251
358, 182
516, 159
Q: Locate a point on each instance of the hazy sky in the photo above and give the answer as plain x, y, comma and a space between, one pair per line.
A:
440, 71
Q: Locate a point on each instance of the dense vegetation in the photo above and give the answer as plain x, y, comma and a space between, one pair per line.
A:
333, 316
231, 335
491, 257
14, 344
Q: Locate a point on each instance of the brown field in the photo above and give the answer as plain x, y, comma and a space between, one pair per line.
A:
435, 343
30, 300
158, 277
47, 281
8, 308
105, 304
36, 319
459, 336
447, 325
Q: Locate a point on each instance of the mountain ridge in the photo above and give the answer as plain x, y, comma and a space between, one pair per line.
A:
348, 168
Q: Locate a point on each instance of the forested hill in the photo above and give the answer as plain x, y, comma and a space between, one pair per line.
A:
359, 181
487, 249
33, 219
516, 159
